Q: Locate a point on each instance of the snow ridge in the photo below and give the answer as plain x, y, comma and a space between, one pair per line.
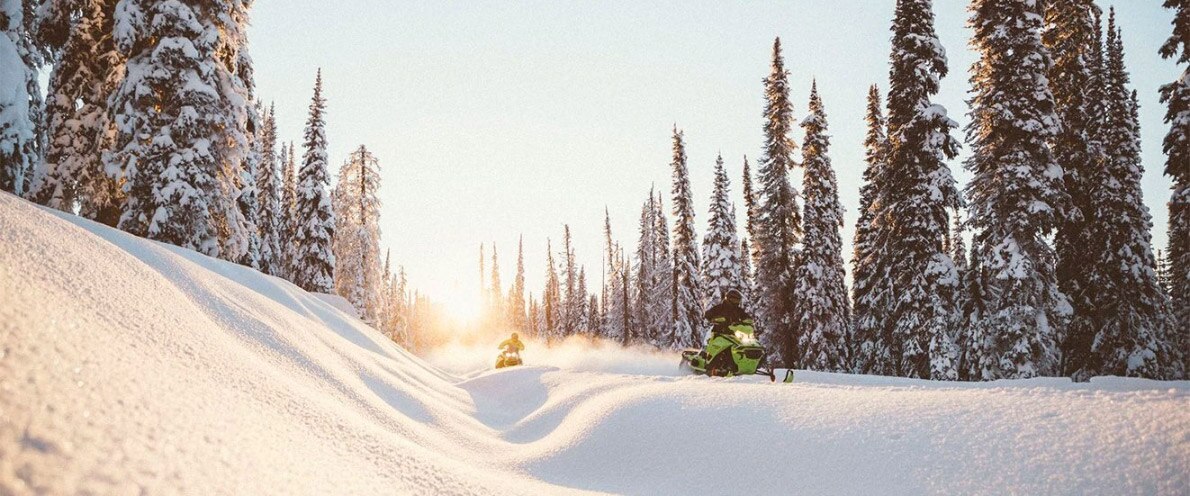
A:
131, 366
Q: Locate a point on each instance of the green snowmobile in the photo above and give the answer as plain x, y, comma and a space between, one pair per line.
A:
736, 352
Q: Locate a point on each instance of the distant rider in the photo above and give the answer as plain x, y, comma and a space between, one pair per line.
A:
513, 344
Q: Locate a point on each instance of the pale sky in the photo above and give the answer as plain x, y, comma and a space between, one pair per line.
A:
493, 119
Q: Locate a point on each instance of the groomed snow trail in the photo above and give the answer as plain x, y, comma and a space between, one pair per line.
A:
133, 367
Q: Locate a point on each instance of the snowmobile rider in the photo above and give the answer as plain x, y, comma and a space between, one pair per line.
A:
723, 316
513, 344
726, 313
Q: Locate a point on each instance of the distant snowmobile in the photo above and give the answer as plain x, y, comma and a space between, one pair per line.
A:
733, 353
510, 352
508, 358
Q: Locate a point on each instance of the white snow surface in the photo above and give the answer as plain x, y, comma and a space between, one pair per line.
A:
132, 367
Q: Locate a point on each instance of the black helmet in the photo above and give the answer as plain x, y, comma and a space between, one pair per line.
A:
733, 296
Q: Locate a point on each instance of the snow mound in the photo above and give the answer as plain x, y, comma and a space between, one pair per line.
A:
129, 366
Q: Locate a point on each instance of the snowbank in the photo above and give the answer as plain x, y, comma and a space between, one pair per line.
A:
128, 366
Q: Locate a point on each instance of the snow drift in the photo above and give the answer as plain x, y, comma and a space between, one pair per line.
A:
128, 366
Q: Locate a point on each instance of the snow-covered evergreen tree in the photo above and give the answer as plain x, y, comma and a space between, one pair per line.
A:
356, 243
870, 342
20, 101
313, 263
401, 308
517, 318
779, 221
1015, 199
819, 288
572, 300
1072, 36
168, 113
917, 192
751, 213
605, 323
687, 300
1176, 95
748, 251
79, 128
288, 227
270, 217
662, 294
582, 325
646, 256
551, 299
1131, 315
394, 314
720, 246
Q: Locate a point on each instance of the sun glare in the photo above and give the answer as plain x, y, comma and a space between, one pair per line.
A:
463, 309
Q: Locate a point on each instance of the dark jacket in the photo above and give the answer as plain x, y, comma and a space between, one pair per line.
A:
725, 314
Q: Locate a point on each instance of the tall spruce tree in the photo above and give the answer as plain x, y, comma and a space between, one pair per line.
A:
572, 300
551, 299
748, 248
616, 307
270, 217
288, 208
356, 243
168, 112
646, 257
751, 214
687, 295
871, 344
79, 127
779, 222
1072, 36
21, 115
1131, 314
661, 304
628, 334
1016, 198
605, 322
720, 246
516, 296
956, 246
919, 189
819, 290
1177, 166
313, 263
